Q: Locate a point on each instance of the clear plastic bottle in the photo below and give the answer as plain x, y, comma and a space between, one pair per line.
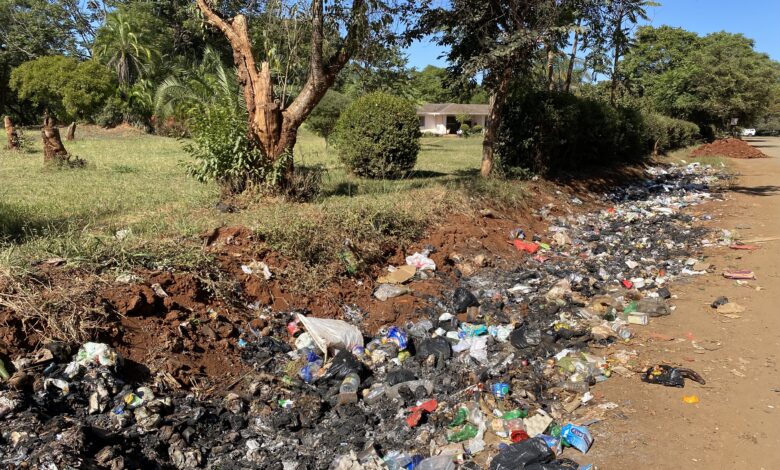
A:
440, 462
348, 389
621, 328
374, 394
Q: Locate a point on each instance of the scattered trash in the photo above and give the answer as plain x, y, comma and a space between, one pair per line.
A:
730, 308
741, 274
97, 353
691, 399
719, 301
332, 333
671, 376
488, 371
577, 436
421, 261
398, 275
257, 267
390, 291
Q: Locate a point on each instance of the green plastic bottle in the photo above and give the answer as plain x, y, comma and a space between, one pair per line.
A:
469, 431
460, 417
514, 414
4, 375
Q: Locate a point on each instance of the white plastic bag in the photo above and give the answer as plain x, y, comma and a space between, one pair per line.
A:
421, 261
98, 354
327, 333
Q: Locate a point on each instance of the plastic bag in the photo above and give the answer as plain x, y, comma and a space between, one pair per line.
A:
522, 455
98, 354
330, 333
671, 376
421, 261
343, 364
477, 347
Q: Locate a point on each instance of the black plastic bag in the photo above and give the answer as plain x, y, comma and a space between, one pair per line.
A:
522, 455
671, 376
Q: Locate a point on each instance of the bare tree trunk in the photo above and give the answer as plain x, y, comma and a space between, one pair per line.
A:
71, 132
613, 90
53, 149
550, 67
11, 134
572, 57
273, 129
497, 100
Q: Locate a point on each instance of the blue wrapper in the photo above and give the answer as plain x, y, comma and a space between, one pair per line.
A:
577, 436
397, 336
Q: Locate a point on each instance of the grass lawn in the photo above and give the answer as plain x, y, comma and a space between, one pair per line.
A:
136, 181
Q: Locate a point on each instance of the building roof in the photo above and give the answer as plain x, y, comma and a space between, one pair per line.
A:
454, 109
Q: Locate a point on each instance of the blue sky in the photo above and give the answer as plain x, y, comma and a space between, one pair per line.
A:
756, 19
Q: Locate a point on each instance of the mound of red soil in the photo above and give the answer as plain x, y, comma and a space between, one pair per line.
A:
732, 148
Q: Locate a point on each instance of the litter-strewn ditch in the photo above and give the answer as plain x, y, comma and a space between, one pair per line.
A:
495, 373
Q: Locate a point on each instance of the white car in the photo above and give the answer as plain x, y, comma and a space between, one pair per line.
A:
748, 132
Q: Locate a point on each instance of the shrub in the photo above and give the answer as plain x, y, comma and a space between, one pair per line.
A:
466, 129
552, 133
477, 129
378, 136
221, 149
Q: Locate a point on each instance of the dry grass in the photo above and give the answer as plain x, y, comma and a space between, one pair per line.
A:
52, 313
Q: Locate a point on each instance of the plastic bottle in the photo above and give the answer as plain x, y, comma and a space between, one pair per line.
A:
460, 417
620, 327
515, 414
374, 394
4, 375
397, 461
348, 389
469, 431
440, 462
637, 318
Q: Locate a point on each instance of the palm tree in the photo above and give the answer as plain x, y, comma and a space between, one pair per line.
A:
194, 89
122, 49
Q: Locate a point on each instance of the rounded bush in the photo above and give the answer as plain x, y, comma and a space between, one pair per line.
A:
378, 136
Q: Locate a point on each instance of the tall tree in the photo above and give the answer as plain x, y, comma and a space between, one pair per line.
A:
620, 18
586, 33
274, 124
706, 80
498, 40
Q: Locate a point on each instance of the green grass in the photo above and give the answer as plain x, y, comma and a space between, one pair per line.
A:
135, 181
685, 155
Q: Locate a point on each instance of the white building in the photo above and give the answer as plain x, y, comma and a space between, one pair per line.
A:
442, 118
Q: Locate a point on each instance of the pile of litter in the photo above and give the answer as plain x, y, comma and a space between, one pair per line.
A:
496, 374
732, 148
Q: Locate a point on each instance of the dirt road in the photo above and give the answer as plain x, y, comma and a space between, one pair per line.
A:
736, 424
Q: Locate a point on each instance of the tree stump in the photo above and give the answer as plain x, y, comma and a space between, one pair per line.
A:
12, 134
71, 132
53, 150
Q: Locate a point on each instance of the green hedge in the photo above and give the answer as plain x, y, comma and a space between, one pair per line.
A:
664, 133
552, 133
